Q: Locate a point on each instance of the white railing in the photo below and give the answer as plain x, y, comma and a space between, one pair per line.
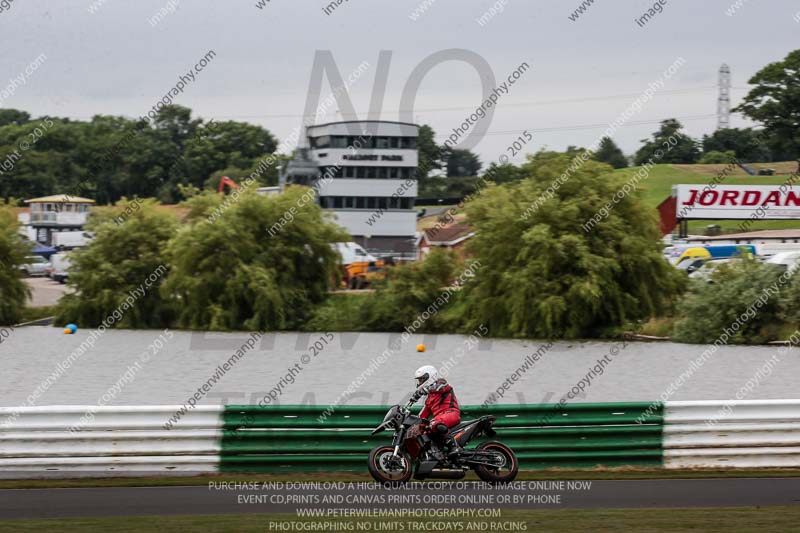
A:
724, 434
112, 440
63, 441
59, 218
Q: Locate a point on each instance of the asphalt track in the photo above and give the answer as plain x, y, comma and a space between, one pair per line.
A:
202, 500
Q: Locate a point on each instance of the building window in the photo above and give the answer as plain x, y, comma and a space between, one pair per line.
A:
366, 202
339, 142
382, 142
321, 142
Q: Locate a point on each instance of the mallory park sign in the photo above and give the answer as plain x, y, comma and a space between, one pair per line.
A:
737, 201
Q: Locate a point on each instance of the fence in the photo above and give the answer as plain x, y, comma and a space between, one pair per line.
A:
746, 434
52, 441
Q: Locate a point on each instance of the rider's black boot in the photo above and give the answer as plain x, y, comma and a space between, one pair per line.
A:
454, 448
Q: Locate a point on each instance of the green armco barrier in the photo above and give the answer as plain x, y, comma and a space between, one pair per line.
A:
307, 438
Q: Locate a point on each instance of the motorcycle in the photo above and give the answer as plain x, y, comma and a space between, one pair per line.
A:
413, 448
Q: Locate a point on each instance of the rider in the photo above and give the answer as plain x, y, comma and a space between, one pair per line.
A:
441, 403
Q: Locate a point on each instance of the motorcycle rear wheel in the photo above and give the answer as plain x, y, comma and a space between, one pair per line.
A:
381, 471
505, 473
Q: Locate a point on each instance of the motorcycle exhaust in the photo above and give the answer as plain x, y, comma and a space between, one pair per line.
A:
427, 470
447, 474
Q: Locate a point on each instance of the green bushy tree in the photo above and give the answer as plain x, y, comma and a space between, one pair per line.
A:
715, 157
504, 173
675, 146
461, 163
746, 143
609, 152
125, 258
709, 308
261, 264
773, 101
544, 275
14, 293
790, 301
430, 153
408, 290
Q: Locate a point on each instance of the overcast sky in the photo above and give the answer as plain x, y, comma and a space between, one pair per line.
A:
583, 74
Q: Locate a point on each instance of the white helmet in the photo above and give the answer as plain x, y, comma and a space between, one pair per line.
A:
425, 376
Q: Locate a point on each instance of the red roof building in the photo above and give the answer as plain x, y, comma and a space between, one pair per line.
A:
452, 237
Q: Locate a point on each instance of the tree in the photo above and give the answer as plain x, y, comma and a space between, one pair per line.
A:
505, 173
543, 274
110, 157
674, 146
716, 157
121, 269
430, 153
262, 264
13, 116
14, 293
774, 102
709, 308
222, 145
610, 153
462, 163
408, 291
747, 144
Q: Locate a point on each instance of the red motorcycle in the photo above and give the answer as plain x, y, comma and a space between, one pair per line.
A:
413, 449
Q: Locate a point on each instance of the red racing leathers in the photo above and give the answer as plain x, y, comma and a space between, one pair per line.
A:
442, 405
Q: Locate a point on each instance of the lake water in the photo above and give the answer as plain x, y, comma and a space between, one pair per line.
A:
639, 372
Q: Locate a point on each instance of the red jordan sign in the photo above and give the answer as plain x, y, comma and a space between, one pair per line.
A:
737, 201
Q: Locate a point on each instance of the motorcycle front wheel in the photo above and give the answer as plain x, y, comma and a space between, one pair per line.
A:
385, 468
506, 470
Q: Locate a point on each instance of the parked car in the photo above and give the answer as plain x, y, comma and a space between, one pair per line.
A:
59, 267
35, 266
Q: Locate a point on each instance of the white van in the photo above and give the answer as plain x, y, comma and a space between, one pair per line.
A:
60, 266
352, 252
787, 260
